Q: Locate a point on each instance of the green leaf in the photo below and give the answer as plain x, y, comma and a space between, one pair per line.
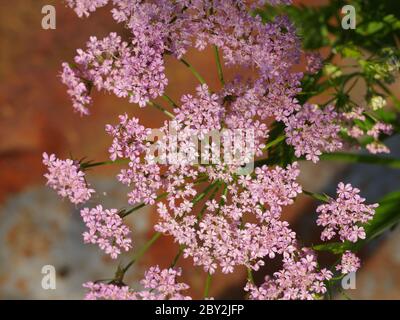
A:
370, 28
361, 158
349, 51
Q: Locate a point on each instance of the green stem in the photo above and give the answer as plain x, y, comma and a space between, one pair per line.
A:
201, 195
178, 255
391, 95
219, 65
223, 197
165, 111
250, 277
141, 252
345, 295
169, 100
274, 142
207, 286
126, 213
194, 71
317, 196
212, 196
102, 163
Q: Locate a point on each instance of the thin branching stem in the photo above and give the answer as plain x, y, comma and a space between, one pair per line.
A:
194, 71
219, 65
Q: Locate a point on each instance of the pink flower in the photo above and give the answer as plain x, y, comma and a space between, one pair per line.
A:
222, 240
130, 142
343, 215
312, 131
67, 179
134, 70
377, 147
84, 7
159, 285
237, 220
314, 62
379, 128
102, 291
77, 89
350, 263
298, 280
106, 228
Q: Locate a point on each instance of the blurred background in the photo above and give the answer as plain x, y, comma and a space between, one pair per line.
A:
36, 115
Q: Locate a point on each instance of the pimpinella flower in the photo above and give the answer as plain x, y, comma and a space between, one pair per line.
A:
102, 291
299, 279
314, 62
349, 263
85, 7
312, 131
66, 177
343, 215
158, 284
134, 70
136, 67
78, 90
106, 229
130, 142
221, 237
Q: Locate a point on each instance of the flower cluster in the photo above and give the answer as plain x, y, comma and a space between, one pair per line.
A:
299, 279
129, 142
236, 219
84, 7
349, 263
78, 89
102, 291
312, 131
379, 128
160, 285
67, 179
106, 229
376, 146
202, 113
313, 62
222, 238
343, 215
134, 69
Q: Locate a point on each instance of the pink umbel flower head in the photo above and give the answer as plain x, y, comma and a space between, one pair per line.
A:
78, 90
85, 7
134, 70
343, 215
314, 62
221, 238
313, 130
106, 229
377, 147
299, 279
66, 177
130, 142
102, 291
158, 284
222, 217
349, 263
